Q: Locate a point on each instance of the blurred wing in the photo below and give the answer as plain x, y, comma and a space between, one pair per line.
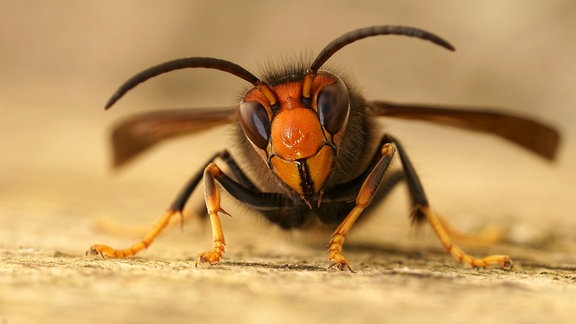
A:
528, 133
136, 134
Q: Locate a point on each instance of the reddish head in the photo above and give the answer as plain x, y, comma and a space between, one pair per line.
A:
298, 137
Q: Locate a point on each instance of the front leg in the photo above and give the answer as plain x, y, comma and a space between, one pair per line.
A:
365, 195
212, 198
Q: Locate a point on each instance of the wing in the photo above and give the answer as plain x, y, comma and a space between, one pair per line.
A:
134, 135
528, 133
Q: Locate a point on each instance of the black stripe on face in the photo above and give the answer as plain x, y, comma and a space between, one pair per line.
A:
306, 182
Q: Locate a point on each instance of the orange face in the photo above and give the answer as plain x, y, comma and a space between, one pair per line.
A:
297, 140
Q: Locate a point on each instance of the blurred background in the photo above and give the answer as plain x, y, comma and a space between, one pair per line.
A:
61, 60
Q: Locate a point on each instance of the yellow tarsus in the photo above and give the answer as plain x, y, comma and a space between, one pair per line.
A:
108, 252
501, 261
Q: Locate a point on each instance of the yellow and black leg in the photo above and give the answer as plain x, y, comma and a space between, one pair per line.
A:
240, 187
363, 199
212, 198
421, 210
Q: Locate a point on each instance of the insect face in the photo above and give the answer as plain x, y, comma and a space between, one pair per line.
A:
298, 138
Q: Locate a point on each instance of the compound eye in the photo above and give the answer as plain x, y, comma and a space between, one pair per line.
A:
333, 105
255, 123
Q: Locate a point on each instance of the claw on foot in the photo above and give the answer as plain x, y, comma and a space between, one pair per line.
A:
213, 256
106, 252
335, 250
339, 261
500, 261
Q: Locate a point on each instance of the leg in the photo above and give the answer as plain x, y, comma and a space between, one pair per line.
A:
212, 197
244, 190
176, 208
109, 252
257, 199
111, 227
182, 198
365, 195
421, 211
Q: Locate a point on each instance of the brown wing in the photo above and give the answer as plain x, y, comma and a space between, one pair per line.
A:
528, 133
134, 135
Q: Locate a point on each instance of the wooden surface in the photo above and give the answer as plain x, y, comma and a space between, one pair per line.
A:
60, 61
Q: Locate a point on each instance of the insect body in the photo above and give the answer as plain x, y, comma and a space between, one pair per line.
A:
310, 138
